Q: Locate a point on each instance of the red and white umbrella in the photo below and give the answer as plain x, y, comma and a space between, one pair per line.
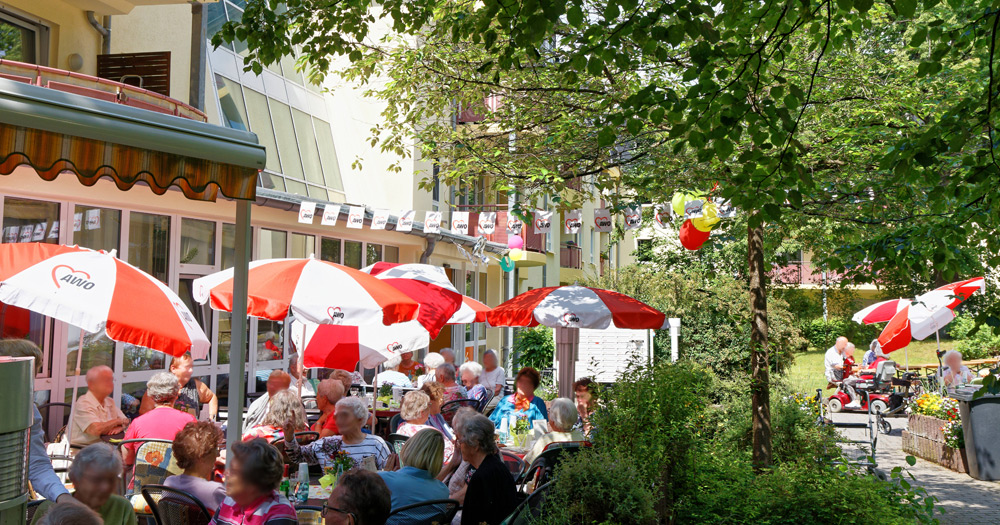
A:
927, 314
952, 295
95, 291
880, 312
427, 285
472, 311
333, 346
317, 291
576, 307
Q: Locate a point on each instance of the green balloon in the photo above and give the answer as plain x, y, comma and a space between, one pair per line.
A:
506, 264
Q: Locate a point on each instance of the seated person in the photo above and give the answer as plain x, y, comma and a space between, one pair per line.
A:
196, 450
285, 410
583, 391
415, 411
329, 392
70, 512
360, 498
954, 373
435, 392
408, 366
850, 377
351, 414
276, 382
95, 474
562, 418
524, 402
833, 361
296, 371
252, 478
95, 413
453, 391
421, 457
470, 372
163, 421
193, 392
390, 376
490, 496
431, 361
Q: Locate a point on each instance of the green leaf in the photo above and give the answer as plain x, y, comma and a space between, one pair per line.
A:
906, 8
864, 5
607, 136
723, 149
575, 16
634, 126
918, 37
910, 460
595, 66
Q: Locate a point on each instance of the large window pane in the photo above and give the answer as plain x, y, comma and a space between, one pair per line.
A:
352, 254
17, 43
330, 250
307, 147
328, 154
149, 244
374, 253
215, 16
320, 193
296, 187
228, 246
197, 242
132, 397
260, 123
284, 133
391, 254
97, 228
27, 220
272, 244
231, 100
236, 14
97, 350
303, 245
138, 358
269, 340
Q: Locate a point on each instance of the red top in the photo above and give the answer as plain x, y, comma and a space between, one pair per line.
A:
848, 366
330, 423
159, 423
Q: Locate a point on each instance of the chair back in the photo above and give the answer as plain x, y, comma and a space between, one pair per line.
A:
529, 509
884, 372
438, 512
545, 464
396, 442
60, 411
175, 507
32, 508
486, 402
304, 438
448, 409
514, 463
154, 463
394, 422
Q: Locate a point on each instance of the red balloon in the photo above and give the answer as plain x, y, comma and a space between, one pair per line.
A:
692, 238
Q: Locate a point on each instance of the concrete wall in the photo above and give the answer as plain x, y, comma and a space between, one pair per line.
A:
158, 28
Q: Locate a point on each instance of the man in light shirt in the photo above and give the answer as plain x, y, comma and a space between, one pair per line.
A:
276, 382
833, 361
95, 413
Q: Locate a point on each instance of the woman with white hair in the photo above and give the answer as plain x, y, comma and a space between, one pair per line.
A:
493, 376
954, 373
490, 496
470, 372
95, 475
431, 361
163, 421
391, 376
415, 411
285, 412
446, 377
562, 418
351, 414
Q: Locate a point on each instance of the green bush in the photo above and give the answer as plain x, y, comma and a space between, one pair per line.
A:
598, 487
822, 334
979, 345
535, 347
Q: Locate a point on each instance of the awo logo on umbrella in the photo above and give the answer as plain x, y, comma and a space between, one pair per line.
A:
336, 314
65, 274
394, 347
570, 319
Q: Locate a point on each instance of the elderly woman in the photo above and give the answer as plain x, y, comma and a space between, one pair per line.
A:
490, 496
446, 375
360, 498
524, 403
421, 457
196, 448
327, 394
163, 421
562, 418
470, 372
431, 361
458, 471
415, 411
391, 376
408, 366
252, 479
435, 391
493, 376
954, 373
95, 476
69, 512
285, 413
351, 414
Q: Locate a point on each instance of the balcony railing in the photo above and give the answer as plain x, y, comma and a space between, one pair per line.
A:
96, 87
533, 242
571, 256
801, 272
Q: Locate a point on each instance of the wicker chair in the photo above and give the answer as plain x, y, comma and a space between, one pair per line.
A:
175, 507
154, 462
396, 442
436, 512
449, 409
514, 463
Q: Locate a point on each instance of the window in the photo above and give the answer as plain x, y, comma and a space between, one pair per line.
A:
330, 250
272, 244
149, 244
197, 242
231, 100
269, 340
391, 254
307, 147
328, 154
296, 187
284, 133
97, 228
22, 40
260, 123
352, 254
303, 245
228, 246
215, 17
374, 253
236, 14
27, 220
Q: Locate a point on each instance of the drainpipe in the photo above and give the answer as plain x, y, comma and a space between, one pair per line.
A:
431, 243
196, 93
104, 30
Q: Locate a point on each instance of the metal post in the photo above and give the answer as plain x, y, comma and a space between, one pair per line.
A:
675, 333
824, 298
238, 335
511, 292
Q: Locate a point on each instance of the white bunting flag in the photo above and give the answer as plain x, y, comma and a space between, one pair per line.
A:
693, 209
380, 219
514, 224
77, 221
405, 222
571, 222
356, 217
10, 235
432, 222
460, 222
487, 222
93, 219
26, 231
543, 221
633, 218
661, 216
307, 210
725, 208
54, 232
603, 222
330, 214
39, 232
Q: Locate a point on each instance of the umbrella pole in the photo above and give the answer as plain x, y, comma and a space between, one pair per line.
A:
567, 342
238, 332
937, 335
76, 382
374, 396
301, 357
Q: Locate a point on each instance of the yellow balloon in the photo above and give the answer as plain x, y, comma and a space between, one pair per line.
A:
678, 203
516, 254
709, 217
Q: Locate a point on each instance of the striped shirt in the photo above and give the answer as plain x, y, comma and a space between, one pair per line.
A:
269, 510
321, 451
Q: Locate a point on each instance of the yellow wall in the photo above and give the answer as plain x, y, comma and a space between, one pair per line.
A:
158, 28
70, 32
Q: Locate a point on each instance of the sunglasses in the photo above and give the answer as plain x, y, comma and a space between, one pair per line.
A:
328, 508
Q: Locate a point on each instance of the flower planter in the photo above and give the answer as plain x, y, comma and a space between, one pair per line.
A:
924, 439
926, 426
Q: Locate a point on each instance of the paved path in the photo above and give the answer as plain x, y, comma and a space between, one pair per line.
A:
964, 499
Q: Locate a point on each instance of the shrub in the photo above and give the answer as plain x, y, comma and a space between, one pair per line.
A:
535, 347
822, 334
597, 487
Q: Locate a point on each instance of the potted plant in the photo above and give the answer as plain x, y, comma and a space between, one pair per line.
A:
934, 431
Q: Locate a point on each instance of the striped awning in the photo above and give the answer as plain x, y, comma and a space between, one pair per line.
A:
56, 132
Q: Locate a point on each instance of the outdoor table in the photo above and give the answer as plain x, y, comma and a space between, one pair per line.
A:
971, 363
109, 438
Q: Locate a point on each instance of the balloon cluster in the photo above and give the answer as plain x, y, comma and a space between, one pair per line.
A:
516, 245
701, 215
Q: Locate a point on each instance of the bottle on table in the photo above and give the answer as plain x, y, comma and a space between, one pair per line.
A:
302, 491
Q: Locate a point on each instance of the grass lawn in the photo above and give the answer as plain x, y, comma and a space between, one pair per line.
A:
806, 373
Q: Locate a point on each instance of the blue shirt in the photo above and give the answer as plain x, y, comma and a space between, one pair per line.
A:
536, 410
43, 478
410, 485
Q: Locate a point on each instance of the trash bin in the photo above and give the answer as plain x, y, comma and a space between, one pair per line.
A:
16, 380
980, 421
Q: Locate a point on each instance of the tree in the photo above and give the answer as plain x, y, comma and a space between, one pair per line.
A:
874, 120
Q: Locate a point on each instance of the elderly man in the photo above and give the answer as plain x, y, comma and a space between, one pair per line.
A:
163, 421
95, 413
296, 371
833, 361
95, 475
448, 355
360, 498
276, 382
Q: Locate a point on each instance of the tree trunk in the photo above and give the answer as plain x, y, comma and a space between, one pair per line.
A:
760, 401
